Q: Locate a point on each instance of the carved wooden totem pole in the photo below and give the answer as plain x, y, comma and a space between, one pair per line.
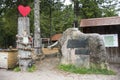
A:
24, 42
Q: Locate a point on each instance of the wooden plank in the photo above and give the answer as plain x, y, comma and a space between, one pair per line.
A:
100, 22
113, 55
12, 59
9, 59
3, 60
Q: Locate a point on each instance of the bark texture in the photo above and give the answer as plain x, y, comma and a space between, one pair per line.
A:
37, 33
24, 44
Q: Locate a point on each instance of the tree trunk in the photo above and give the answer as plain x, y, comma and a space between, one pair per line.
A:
23, 43
37, 33
76, 5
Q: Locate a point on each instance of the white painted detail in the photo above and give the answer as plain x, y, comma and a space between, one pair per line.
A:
3, 60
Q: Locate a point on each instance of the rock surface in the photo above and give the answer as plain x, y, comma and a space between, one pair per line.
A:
81, 49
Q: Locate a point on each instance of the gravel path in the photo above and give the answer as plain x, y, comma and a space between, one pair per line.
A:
47, 71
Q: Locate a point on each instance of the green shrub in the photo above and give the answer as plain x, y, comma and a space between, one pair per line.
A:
16, 69
31, 69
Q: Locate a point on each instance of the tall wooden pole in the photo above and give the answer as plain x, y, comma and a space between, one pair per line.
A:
24, 44
37, 32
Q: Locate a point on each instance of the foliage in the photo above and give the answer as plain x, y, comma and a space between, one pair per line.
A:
73, 69
96, 8
55, 17
32, 68
17, 69
109, 8
8, 28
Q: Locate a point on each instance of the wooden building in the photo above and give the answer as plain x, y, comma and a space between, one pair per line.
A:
47, 41
107, 25
56, 37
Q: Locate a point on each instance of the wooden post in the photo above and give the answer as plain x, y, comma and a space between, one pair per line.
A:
24, 43
37, 36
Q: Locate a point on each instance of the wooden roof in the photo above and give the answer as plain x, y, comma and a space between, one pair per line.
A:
106, 21
56, 37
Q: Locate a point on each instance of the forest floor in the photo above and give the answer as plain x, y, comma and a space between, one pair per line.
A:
47, 70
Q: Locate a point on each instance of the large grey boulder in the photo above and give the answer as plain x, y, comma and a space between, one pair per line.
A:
82, 50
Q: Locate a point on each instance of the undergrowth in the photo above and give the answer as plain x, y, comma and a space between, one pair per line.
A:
29, 69
73, 69
32, 69
16, 69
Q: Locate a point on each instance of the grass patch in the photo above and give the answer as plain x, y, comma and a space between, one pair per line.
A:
17, 69
31, 69
73, 69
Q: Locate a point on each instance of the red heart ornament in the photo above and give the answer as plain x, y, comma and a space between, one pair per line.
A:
24, 10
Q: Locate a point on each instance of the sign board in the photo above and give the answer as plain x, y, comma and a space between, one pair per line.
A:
83, 51
77, 43
110, 40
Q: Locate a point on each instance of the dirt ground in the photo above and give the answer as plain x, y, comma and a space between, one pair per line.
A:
46, 70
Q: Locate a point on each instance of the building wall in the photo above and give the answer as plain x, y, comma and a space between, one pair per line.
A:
113, 52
